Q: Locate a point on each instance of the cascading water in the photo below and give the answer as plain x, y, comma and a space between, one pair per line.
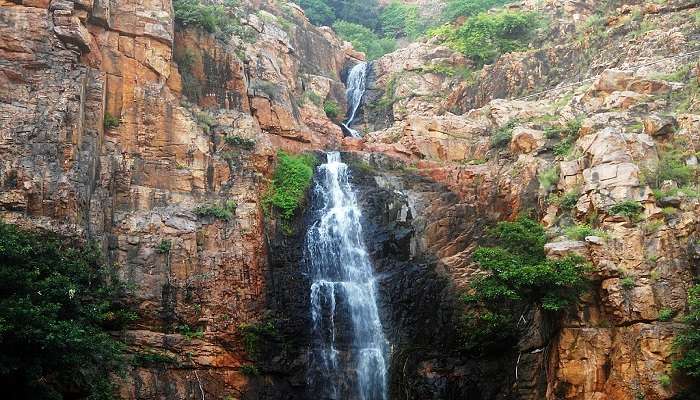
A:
348, 347
356, 85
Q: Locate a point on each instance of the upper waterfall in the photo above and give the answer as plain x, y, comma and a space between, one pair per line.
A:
348, 348
356, 86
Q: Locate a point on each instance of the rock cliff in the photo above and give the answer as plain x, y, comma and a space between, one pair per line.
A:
122, 125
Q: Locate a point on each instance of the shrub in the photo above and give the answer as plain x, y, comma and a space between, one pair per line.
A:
110, 122
580, 231
398, 19
569, 200
189, 333
519, 274
241, 142
486, 36
318, 12
312, 96
687, 342
250, 370
205, 121
665, 314
331, 109
213, 18
627, 282
224, 212
151, 357
268, 88
165, 246
292, 178
549, 177
501, 138
58, 303
364, 40
465, 8
628, 208
254, 335
665, 380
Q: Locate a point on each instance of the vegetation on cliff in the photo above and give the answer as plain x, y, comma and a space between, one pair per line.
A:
57, 306
688, 341
518, 275
291, 181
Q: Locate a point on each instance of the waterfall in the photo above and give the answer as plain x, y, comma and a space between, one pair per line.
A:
347, 358
356, 85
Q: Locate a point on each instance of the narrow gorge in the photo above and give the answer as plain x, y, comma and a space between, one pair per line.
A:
350, 200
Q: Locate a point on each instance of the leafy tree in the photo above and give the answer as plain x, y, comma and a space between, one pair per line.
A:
519, 275
318, 12
364, 40
398, 20
57, 304
466, 8
486, 36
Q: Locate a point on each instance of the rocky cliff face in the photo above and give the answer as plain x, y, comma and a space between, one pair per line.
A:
222, 302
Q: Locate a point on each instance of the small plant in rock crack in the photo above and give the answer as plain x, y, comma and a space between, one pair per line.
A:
240, 142
165, 246
110, 121
628, 208
224, 212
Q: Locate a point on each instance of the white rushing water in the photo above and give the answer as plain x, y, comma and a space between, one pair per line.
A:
349, 347
356, 86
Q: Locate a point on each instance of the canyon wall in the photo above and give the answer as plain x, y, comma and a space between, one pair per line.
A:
222, 303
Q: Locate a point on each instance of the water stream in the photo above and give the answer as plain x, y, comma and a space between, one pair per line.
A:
348, 348
356, 86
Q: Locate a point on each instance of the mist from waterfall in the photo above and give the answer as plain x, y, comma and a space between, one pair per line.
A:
348, 344
356, 86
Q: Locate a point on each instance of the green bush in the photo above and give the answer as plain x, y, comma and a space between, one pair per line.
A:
401, 20
110, 122
627, 282
254, 335
218, 19
292, 179
665, 314
687, 342
519, 274
549, 177
466, 8
224, 212
325, 12
580, 231
165, 246
332, 109
364, 40
205, 120
241, 142
503, 135
486, 36
627, 208
58, 303
250, 370
318, 12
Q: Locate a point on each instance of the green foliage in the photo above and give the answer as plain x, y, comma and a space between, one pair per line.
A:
466, 8
672, 167
687, 342
190, 333
254, 335
152, 357
549, 177
332, 109
318, 12
250, 370
270, 89
628, 208
627, 282
313, 97
205, 120
364, 40
165, 246
501, 138
290, 183
486, 36
580, 231
566, 202
362, 12
57, 304
519, 274
240, 142
665, 380
665, 314
214, 18
224, 212
402, 20
110, 122
568, 135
